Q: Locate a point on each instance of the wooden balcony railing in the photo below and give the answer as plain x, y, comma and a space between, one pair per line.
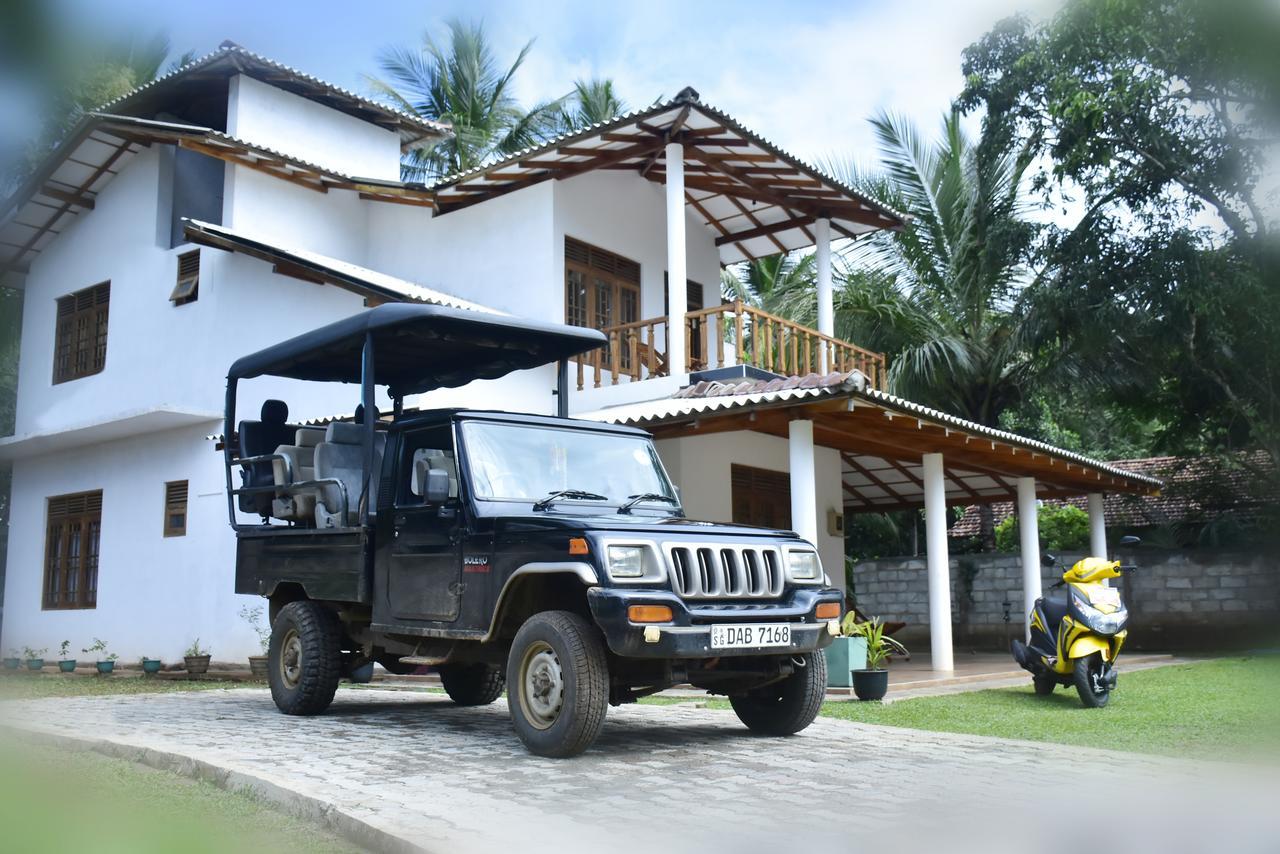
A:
730, 334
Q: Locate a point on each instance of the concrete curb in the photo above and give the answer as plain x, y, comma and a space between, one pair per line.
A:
287, 800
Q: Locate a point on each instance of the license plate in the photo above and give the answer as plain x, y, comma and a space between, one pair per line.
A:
750, 635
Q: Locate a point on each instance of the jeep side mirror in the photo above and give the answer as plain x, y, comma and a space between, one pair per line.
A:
437, 486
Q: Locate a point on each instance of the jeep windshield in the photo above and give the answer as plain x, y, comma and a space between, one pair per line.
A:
510, 462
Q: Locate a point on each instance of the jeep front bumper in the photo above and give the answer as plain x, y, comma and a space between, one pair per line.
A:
688, 634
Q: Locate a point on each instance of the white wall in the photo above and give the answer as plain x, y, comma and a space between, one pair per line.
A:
271, 117
155, 594
700, 466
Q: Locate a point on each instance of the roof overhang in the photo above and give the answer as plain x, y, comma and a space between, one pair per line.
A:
117, 426
757, 198
70, 179
882, 439
376, 287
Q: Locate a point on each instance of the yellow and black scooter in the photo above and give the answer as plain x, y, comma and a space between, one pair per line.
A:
1076, 633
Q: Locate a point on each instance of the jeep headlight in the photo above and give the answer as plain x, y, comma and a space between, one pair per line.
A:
626, 561
803, 566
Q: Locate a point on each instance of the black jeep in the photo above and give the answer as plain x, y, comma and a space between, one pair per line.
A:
543, 554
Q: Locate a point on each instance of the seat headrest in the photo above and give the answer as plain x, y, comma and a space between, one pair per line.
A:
274, 412
308, 437
359, 416
344, 433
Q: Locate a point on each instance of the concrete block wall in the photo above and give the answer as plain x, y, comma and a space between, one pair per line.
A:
1177, 600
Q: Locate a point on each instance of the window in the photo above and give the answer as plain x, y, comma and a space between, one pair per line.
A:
761, 497
694, 296
175, 508
187, 288
71, 550
80, 342
601, 289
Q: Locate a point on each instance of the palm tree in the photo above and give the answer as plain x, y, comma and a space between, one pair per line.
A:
772, 283
591, 102
462, 84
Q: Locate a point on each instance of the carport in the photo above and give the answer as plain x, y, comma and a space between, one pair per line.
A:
896, 455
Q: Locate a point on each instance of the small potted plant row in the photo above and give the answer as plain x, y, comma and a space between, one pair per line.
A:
196, 659
257, 663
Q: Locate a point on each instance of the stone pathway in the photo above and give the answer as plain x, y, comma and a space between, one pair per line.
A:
399, 769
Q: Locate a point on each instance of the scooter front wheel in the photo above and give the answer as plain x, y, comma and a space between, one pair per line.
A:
1089, 675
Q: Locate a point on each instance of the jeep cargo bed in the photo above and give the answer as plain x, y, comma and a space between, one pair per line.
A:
329, 564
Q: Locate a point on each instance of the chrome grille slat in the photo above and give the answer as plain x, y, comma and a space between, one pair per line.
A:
724, 570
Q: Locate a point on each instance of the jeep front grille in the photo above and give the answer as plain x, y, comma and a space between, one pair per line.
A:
722, 571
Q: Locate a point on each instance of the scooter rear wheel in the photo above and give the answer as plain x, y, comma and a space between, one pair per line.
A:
1087, 675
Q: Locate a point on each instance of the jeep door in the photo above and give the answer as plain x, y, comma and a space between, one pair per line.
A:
421, 543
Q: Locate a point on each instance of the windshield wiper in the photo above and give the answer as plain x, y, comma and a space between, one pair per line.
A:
633, 500
575, 494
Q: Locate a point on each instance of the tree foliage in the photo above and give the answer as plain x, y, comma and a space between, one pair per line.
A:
1064, 528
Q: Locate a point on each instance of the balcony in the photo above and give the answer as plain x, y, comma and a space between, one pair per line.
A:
723, 336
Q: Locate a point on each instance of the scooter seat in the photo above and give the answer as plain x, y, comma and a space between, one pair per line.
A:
1056, 606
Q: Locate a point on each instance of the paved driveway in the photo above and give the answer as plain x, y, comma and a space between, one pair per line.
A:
410, 767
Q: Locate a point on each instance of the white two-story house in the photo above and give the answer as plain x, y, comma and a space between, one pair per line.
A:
237, 202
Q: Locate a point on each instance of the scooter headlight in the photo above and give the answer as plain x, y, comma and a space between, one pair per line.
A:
1103, 624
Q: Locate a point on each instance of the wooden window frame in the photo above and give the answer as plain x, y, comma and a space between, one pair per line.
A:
175, 503
186, 288
619, 274
80, 333
73, 538
760, 496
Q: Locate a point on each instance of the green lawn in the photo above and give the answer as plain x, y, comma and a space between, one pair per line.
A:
1224, 708
56, 800
26, 686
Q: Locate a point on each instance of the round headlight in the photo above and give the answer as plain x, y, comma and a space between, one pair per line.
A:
626, 561
803, 566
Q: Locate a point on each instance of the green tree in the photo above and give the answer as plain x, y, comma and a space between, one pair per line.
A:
1063, 528
1157, 118
461, 83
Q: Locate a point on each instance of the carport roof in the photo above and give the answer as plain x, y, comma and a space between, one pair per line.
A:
881, 439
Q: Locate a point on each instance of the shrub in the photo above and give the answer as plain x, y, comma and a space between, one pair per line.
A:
1064, 528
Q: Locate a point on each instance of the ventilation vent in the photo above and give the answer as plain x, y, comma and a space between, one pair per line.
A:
175, 508
187, 288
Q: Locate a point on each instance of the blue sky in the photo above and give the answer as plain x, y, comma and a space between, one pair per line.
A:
804, 74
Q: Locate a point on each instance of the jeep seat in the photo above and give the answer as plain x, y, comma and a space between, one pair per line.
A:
297, 506
259, 438
340, 457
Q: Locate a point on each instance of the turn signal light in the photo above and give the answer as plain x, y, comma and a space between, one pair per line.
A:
578, 546
827, 611
649, 614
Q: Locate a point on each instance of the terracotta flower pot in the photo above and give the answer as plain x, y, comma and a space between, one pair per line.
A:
870, 684
258, 666
196, 664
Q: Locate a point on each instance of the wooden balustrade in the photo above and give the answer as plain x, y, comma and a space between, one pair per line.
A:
730, 334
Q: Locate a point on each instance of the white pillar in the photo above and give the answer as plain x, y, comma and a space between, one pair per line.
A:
1097, 526
826, 306
677, 275
1029, 533
804, 487
939, 562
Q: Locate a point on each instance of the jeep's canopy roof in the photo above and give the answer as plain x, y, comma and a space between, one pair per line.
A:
418, 348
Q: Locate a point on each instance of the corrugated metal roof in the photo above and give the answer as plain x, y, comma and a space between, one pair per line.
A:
326, 267
715, 397
243, 59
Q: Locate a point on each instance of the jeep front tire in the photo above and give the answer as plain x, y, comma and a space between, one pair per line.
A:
557, 684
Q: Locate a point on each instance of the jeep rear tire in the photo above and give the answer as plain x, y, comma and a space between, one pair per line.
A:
472, 684
557, 684
787, 706
304, 658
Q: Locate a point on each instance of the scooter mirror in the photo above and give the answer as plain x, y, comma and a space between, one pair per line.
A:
1048, 559
1130, 540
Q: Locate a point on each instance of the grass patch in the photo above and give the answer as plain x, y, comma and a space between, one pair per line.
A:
31, 686
58, 800
1227, 708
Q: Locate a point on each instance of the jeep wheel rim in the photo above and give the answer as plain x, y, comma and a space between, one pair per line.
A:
291, 659
541, 685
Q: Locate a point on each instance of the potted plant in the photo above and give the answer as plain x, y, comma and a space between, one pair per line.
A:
66, 663
257, 663
106, 660
196, 658
847, 653
12, 660
150, 665
34, 657
872, 682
